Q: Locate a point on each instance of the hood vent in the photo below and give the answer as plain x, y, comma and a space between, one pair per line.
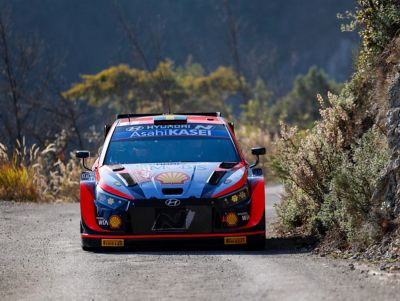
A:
227, 165
127, 179
117, 167
216, 177
172, 191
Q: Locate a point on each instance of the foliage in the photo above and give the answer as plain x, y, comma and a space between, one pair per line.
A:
166, 88
329, 186
257, 111
349, 203
378, 22
330, 172
16, 183
306, 159
18, 177
34, 174
300, 107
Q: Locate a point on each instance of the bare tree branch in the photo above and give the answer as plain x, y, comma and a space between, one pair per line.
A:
233, 29
9, 72
131, 35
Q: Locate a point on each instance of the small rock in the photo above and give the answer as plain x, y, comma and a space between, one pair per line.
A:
351, 266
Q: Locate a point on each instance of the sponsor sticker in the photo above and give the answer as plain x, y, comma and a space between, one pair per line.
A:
115, 222
88, 176
102, 221
237, 240
172, 177
171, 132
244, 215
108, 242
141, 176
153, 130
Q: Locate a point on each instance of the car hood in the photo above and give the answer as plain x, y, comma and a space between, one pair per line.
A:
171, 180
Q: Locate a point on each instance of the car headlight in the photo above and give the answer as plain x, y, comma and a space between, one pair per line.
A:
236, 197
110, 200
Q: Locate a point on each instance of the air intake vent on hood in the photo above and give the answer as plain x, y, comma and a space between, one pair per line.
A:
227, 165
127, 179
117, 167
216, 177
172, 191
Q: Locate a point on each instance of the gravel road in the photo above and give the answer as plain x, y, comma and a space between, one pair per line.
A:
41, 259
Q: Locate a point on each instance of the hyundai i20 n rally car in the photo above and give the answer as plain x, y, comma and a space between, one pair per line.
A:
178, 177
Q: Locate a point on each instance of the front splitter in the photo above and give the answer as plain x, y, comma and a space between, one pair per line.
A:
118, 241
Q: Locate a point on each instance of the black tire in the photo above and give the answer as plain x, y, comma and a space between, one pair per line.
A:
90, 248
257, 243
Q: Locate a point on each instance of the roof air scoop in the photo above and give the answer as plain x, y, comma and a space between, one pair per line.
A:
170, 119
215, 177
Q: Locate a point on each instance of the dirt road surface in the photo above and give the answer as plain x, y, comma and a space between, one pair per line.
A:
41, 259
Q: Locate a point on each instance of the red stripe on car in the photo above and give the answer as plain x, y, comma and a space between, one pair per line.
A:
111, 190
84, 235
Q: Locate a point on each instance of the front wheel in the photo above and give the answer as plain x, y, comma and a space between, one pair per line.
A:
257, 243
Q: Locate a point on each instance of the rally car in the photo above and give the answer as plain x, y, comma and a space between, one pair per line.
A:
174, 178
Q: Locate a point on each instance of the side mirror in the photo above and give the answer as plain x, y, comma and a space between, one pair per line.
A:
83, 154
107, 128
257, 151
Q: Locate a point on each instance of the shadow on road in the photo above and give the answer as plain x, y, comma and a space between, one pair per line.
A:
275, 245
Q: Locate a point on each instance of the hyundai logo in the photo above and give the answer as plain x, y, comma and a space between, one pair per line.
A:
172, 202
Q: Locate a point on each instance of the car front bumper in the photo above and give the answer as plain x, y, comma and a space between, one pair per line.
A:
254, 235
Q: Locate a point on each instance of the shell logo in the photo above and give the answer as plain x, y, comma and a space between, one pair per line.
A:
172, 177
115, 222
231, 219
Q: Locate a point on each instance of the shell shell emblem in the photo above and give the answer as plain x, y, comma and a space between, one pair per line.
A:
172, 177
115, 222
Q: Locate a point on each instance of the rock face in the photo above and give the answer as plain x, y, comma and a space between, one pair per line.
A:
387, 192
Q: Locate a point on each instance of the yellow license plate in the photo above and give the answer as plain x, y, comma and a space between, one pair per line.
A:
238, 240
112, 242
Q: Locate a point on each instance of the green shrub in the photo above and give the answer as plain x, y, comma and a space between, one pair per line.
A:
349, 203
306, 159
329, 186
378, 22
330, 171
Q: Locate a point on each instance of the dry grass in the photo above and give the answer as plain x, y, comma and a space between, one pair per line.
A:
34, 174
16, 183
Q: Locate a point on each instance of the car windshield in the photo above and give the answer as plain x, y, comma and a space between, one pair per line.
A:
130, 145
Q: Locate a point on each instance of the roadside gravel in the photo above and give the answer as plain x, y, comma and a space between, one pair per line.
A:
41, 259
